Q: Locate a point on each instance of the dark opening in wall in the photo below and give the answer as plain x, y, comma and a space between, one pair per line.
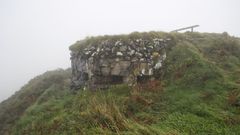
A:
115, 79
85, 76
143, 78
112, 79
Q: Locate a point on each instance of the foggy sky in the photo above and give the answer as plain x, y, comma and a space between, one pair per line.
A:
35, 34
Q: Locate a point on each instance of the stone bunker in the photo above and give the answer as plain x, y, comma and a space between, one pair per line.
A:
110, 62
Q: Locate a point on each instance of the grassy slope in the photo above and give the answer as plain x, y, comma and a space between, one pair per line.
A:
14, 107
199, 93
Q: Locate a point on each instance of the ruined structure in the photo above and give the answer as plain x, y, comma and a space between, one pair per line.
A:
107, 62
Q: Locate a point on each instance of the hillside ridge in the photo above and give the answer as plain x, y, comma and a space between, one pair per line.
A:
197, 91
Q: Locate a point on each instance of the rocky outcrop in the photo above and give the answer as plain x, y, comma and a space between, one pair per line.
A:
115, 62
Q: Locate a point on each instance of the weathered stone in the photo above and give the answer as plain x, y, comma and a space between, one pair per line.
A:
116, 69
105, 71
123, 48
112, 63
119, 54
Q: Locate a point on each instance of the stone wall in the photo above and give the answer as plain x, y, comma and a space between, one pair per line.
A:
108, 63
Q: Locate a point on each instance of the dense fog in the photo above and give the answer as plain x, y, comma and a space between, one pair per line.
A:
35, 34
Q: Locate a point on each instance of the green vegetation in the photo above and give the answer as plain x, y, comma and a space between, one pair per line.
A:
89, 41
37, 90
198, 93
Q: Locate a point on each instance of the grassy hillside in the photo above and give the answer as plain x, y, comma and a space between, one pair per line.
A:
49, 84
198, 93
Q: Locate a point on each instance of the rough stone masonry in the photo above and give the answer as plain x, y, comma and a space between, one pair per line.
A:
98, 66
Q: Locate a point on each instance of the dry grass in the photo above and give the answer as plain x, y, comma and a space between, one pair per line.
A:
207, 95
232, 120
233, 97
107, 115
149, 86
